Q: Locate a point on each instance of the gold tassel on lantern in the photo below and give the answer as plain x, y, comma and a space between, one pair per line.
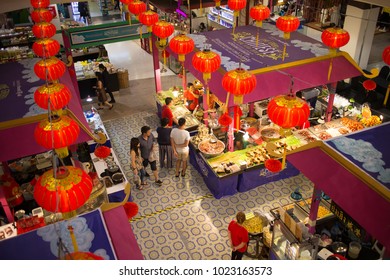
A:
62, 152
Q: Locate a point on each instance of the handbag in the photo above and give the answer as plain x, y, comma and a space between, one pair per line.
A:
152, 155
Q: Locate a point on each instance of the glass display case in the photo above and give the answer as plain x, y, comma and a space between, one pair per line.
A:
290, 243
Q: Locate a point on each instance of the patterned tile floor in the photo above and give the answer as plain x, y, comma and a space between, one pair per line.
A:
190, 224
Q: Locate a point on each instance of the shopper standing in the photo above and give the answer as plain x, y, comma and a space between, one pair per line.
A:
191, 97
101, 92
136, 163
167, 112
164, 143
146, 140
238, 236
106, 81
180, 138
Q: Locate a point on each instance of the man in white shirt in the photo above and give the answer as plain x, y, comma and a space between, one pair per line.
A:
180, 138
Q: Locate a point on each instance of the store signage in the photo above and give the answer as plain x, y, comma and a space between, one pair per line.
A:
103, 35
347, 221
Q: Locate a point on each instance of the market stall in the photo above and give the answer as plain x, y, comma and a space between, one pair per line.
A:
352, 171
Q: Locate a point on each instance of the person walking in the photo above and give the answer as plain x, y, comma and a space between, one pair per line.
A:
180, 138
167, 112
238, 236
116, 5
106, 81
82, 7
164, 143
101, 92
136, 164
146, 140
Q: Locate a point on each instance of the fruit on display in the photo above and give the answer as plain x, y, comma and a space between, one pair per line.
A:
351, 124
203, 134
256, 155
371, 121
253, 225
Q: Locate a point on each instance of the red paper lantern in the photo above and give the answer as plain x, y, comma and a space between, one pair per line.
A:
58, 94
181, 45
288, 111
273, 165
11, 190
41, 15
386, 55
163, 29
44, 30
40, 3
236, 6
102, 152
239, 82
225, 120
206, 62
131, 209
60, 133
287, 24
369, 85
259, 13
148, 18
83, 256
137, 7
335, 37
67, 191
46, 47
50, 68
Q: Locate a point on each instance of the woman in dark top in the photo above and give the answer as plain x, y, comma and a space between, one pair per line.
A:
106, 83
164, 143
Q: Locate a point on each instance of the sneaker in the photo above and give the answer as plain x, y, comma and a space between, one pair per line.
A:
159, 182
147, 174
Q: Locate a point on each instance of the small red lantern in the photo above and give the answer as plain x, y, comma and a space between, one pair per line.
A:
40, 3
58, 94
67, 191
163, 29
225, 120
287, 24
41, 15
50, 68
236, 6
46, 47
181, 45
131, 209
259, 13
239, 82
273, 165
148, 18
137, 7
386, 55
102, 152
335, 38
44, 30
288, 111
206, 62
59, 133
369, 85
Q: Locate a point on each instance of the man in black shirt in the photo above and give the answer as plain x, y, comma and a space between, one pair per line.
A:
106, 83
164, 143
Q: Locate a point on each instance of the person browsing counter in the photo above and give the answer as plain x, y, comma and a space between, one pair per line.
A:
180, 138
164, 143
167, 112
238, 236
191, 96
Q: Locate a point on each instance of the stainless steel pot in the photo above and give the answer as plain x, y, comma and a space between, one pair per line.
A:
113, 168
117, 178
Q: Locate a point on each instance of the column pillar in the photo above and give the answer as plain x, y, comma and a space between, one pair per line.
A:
360, 22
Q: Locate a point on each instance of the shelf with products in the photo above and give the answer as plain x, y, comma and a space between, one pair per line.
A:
15, 53
228, 16
221, 21
20, 36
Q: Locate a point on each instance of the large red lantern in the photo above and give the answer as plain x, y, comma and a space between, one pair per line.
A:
236, 6
148, 18
335, 38
41, 15
386, 55
59, 133
44, 30
40, 3
181, 45
206, 62
63, 192
287, 24
50, 68
46, 47
288, 111
239, 82
259, 13
163, 29
58, 94
137, 7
